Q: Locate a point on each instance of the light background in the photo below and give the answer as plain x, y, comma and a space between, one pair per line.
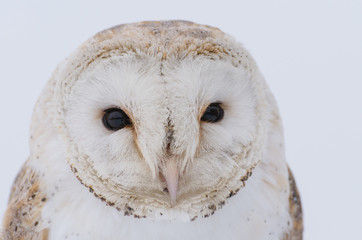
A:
310, 52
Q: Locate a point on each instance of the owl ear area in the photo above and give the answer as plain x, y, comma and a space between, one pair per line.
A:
115, 119
213, 113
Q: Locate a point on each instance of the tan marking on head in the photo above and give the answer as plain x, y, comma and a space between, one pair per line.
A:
201, 113
134, 130
169, 38
137, 144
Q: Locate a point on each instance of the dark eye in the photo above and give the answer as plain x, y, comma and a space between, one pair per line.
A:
213, 113
115, 119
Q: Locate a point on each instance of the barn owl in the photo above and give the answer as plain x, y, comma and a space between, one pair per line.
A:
156, 130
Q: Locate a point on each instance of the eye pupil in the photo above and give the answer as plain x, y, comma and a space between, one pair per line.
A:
213, 113
115, 119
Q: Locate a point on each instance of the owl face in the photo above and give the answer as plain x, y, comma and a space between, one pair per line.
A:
151, 136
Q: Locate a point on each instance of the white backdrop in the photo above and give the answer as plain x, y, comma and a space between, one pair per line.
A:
310, 53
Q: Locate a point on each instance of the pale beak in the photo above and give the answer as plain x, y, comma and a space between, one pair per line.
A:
171, 175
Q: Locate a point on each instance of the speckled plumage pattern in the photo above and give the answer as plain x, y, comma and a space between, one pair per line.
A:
86, 182
24, 212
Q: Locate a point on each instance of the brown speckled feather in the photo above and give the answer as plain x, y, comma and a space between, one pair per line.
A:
295, 209
22, 219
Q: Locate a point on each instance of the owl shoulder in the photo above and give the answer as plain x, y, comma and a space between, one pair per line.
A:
22, 218
295, 211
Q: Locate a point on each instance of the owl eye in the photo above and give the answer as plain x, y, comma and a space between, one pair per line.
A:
213, 113
115, 119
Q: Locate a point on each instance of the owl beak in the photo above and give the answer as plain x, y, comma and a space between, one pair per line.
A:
171, 175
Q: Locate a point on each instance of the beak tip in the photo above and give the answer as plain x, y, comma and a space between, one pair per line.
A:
172, 185
173, 195
172, 190
171, 177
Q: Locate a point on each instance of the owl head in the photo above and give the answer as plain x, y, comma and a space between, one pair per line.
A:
161, 119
